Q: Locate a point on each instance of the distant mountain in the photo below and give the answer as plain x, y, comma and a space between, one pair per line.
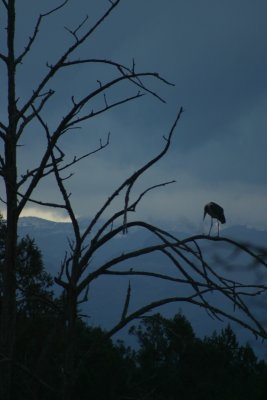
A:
107, 294
51, 237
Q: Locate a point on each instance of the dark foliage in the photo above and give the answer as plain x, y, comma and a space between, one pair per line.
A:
171, 361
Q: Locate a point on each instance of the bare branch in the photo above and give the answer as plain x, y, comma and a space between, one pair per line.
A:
31, 41
3, 58
41, 203
146, 250
67, 202
131, 208
93, 114
5, 3
3, 127
135, 176
123, 257
127, 302
236, 244
26, 120
53, 10
131, 180
69, 121
156, 275
241, 288
60, 62
127, 73
59, 180
75, 31
36, 30
77, 159
258, 331
31, 173
38, 175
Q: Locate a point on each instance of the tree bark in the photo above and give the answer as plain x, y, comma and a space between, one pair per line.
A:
8, 314
71, 339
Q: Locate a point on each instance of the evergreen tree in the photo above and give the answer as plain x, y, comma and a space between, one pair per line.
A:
33, 283
173, 363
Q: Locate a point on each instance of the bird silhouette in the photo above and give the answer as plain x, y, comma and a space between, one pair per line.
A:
214, 211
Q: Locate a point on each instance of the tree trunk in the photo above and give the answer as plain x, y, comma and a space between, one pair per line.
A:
8, 314
8, 311
71, 340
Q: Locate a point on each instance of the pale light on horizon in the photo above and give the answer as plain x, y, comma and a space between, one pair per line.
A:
50, 215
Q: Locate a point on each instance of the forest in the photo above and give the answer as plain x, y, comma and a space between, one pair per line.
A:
169, 362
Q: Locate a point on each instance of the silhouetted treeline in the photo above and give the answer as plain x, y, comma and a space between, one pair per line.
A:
173, 363
170, 363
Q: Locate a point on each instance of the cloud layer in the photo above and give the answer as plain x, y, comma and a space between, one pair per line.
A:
215, 54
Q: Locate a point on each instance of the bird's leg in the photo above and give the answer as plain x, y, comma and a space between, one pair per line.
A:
218, 228
211, 223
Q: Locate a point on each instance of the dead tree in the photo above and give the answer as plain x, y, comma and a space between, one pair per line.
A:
75, 275
190, 266
22, 112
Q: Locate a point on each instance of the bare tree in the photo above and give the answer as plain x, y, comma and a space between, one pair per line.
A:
191, 269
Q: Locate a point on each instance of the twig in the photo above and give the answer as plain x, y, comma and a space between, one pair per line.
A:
126, 303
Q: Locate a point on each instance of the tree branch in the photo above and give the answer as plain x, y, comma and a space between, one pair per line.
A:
257, 331
131, 180
27, 119
5, 3
36, 30
126, 303
60, 62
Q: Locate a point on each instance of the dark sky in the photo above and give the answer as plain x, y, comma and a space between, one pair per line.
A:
215, 52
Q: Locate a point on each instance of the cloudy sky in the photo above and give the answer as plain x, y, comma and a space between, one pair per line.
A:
213, 51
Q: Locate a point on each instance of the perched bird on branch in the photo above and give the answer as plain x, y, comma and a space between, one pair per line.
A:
214, 211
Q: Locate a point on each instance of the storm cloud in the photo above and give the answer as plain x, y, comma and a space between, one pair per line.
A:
215, 53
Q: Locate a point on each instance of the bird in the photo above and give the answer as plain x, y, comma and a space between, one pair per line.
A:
214, 211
